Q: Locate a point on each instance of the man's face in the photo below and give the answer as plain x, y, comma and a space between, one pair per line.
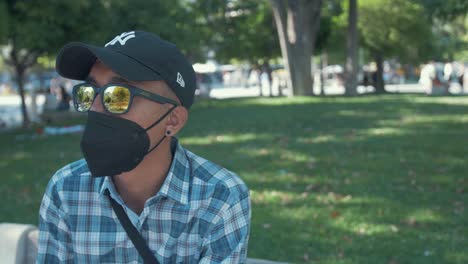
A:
142, 111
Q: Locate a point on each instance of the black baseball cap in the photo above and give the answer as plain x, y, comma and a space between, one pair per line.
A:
136, 56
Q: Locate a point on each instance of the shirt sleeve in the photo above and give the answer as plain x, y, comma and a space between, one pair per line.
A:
54, 245
228, 239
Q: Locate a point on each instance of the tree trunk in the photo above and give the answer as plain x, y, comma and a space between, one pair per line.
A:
379, 81
297, 22
323, 65
20, 62
269, 72
280, 87
270, 86
351, 68
20, 82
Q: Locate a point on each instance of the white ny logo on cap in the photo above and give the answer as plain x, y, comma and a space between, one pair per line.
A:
122, 38
180, 80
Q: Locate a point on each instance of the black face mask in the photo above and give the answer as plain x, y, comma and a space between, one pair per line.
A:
112, 145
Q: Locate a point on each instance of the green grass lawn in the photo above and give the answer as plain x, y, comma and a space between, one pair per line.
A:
375, 179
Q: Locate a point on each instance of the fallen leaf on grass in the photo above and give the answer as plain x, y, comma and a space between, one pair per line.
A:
341, 254
285, 200
263, 152
334, 214
410, 222
347, 239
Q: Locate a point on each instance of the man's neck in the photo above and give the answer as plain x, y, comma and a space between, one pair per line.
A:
138, 185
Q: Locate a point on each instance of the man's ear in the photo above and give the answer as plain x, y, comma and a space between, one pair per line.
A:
176, 120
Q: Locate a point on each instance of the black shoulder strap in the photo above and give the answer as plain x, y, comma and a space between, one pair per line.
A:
137, 240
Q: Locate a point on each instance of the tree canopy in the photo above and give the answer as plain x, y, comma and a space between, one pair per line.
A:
395, 28
411, 31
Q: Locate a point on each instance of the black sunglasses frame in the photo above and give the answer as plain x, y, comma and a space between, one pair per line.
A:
134, 91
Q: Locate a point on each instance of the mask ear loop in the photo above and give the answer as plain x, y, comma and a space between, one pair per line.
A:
157, 122
157, 144
161, 118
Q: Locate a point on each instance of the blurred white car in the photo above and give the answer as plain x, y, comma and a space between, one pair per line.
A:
208, 77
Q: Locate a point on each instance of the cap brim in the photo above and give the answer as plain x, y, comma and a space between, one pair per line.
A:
75, 60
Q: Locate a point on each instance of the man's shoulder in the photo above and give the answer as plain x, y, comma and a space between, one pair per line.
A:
215, 181
71, 176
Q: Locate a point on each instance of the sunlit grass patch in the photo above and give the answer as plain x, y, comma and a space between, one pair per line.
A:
226, 138
316, 139
384, 131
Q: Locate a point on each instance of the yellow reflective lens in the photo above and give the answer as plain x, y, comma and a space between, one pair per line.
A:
84, 98
116, 99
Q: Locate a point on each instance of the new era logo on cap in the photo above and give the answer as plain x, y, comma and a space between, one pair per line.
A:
122, 38
180, 80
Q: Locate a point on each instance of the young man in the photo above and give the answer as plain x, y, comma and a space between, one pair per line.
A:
137, 92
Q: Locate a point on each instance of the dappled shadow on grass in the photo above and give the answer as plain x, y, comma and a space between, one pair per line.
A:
361, 180
321, 233
309, 121
27, 161
402, 155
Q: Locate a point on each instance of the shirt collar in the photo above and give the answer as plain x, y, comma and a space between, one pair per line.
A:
177, 183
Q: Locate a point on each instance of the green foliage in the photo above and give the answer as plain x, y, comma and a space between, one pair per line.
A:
334, 17
329, 30
346, 184
172, 20
242, 29
411, 31
236, 29
45, 26
3, 21
46, 62
445, 9
450, 39
449, 21
394, 28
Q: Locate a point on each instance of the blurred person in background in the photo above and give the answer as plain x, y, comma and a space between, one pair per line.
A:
448, 71
427, 76
63, 99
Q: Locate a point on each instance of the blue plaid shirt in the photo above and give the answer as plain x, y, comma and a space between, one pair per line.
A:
201, 214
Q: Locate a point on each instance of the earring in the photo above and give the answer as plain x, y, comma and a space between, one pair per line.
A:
168, 132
